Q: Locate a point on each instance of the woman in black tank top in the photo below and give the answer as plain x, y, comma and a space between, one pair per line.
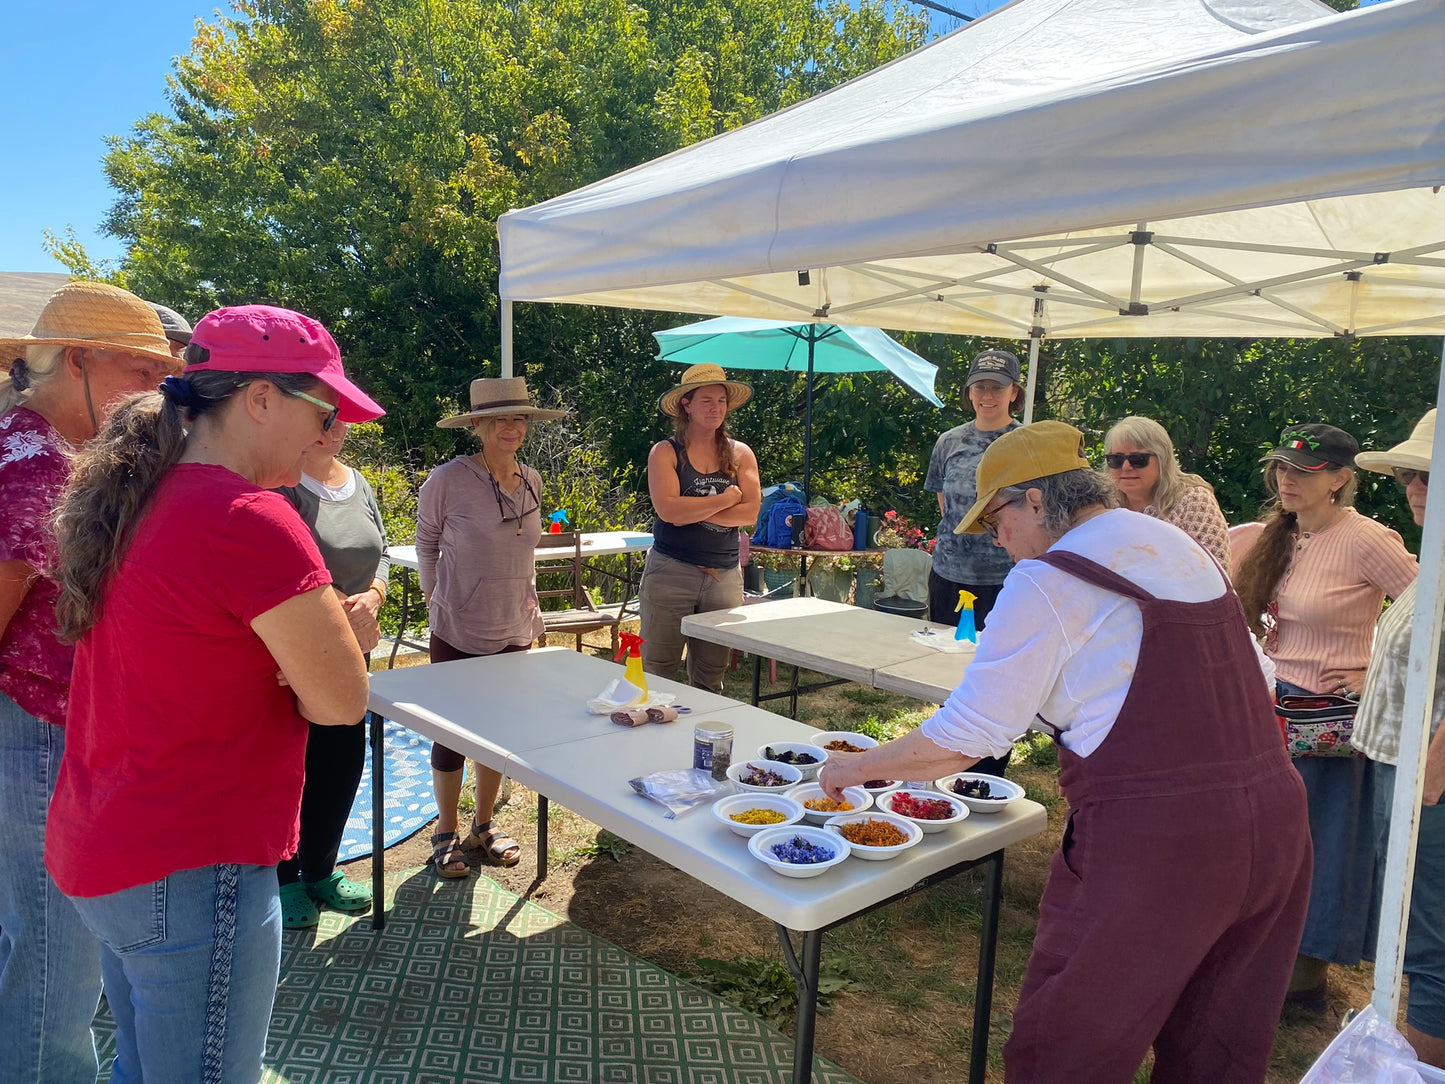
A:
704, 486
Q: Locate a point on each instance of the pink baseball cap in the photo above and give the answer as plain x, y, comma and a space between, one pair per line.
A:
266, 339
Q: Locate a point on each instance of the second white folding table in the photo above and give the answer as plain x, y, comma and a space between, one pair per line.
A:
847, 643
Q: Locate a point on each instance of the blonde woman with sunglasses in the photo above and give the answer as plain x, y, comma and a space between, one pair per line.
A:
1139, 458
479, 519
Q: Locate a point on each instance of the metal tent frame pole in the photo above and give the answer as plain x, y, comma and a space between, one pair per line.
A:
1419, 707
1036, 332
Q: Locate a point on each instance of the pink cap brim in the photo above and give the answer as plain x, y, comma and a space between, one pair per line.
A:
355, 404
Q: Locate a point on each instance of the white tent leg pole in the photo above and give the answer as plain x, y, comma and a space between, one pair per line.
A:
506, 337
1410, 775
1035, 334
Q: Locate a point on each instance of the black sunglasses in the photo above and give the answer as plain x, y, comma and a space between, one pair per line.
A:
504, 502
1405, 477
1137, 460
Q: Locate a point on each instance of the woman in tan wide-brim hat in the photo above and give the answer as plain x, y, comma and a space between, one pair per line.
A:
92, 345
479, 519
1378, 725
704, 486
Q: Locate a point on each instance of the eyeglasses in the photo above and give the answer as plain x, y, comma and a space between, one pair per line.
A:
1405, 477
331, 411
1137, 460
989, 519
504, 501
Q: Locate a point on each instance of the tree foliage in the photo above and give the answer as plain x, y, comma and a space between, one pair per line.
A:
350, 158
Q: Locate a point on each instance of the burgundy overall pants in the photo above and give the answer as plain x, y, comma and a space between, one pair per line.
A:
1175, 902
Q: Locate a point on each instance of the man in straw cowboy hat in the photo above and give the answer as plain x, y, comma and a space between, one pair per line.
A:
91, 345
704, 486
1377, 734
1176, 898
479, 519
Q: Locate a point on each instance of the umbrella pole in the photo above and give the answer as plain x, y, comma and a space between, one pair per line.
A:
808, 424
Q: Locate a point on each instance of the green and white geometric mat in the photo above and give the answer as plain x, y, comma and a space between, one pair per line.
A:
471, 983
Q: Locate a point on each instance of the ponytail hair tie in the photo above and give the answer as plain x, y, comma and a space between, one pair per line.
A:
19, 374
180, 392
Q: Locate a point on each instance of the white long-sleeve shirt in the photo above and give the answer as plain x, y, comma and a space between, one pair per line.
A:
1065, 650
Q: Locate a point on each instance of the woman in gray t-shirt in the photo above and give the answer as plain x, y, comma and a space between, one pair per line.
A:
337, 504
969, 562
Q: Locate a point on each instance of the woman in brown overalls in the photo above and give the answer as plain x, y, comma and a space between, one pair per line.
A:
1176, 898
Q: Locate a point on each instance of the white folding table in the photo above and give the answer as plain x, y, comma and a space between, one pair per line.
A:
525, 714
848, 643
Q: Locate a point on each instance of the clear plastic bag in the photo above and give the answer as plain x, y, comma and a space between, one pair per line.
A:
680, 789
1367, 1051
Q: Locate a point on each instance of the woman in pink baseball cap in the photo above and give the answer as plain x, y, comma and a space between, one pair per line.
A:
207, 635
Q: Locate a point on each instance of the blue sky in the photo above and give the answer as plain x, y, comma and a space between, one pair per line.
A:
73, 72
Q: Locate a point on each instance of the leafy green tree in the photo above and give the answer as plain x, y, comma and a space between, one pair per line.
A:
350, 158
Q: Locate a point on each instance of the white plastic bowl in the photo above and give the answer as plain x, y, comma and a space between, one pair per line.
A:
761, 846
876, 854
809, 792
790, 774
888, 784
1003, 791
810, 771
852, 737
724, 808
960, 811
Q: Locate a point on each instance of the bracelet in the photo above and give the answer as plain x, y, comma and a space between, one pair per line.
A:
379, 592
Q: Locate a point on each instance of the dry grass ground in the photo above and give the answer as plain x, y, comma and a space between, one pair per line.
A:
904, 1016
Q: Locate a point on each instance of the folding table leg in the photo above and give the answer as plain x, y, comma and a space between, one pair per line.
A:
757, 677
378, 820
805, 978
983, 986
405, 616
541, 837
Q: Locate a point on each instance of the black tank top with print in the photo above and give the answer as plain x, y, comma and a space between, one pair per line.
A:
704, 544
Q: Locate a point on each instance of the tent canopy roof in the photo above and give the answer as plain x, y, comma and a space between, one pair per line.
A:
1179, 167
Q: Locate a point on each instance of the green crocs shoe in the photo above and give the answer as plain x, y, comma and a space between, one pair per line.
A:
339, 894
298, 912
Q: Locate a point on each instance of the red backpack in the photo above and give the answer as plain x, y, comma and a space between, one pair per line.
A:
827, 529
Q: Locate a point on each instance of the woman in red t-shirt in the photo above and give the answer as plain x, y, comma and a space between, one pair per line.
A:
206, 636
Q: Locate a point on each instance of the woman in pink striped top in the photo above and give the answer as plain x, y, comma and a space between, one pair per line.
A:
1312, 583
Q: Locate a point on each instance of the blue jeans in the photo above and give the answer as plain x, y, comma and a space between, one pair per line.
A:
1425, 938
49, 961
190, 965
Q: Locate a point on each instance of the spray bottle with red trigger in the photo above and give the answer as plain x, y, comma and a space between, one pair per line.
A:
632, 648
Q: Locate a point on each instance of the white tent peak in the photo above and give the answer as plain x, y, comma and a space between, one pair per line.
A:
1172, 167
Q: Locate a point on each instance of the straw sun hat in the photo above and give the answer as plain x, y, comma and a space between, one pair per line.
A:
494, 396
700, 376
95, 314
1412, 454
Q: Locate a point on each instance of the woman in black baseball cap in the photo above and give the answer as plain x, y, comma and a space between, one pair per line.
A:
1312, 585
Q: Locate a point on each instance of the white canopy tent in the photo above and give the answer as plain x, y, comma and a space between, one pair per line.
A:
1068, 168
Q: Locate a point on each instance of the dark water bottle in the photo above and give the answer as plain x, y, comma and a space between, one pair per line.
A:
798, 521
860, 530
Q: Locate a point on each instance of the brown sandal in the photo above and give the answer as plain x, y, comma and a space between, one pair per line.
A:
498, 848
446, 852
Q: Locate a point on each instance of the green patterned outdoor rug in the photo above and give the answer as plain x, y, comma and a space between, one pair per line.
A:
471, 983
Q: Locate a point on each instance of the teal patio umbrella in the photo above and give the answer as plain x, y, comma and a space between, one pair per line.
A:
737, 342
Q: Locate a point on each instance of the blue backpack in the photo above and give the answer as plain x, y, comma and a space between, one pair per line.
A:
771, 496
777, 531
